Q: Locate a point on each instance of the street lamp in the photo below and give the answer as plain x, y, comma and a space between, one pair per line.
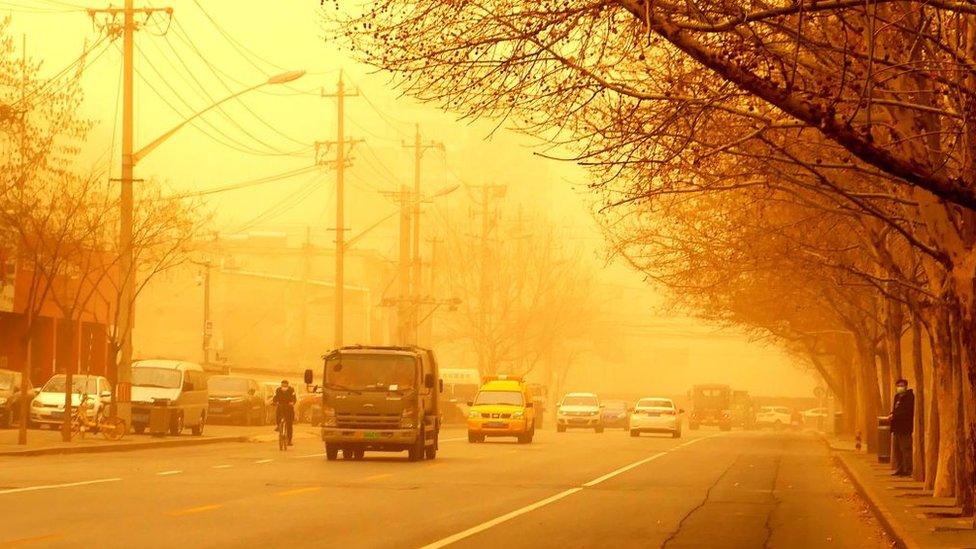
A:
122, 394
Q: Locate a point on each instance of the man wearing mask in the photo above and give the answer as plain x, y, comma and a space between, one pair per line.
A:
902, 420
285, 399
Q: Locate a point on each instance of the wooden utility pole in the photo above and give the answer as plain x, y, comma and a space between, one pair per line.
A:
127, 266
341, 162
415, 285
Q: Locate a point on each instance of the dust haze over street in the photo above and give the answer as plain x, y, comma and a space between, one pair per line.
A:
493, 273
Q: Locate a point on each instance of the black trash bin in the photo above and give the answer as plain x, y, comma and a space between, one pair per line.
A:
884, 439
159, 417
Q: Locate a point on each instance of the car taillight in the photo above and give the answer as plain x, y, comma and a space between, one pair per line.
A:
668, 412
726, 413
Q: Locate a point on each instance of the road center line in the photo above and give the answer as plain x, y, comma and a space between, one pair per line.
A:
25, 541
455, 439
264, 461
549, 500
297, 491
224, 466
377, 477
51, 486
194, 510
168, 473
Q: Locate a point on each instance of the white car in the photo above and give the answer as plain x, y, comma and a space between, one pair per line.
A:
656, 415
47, 408
778, 417
579, 411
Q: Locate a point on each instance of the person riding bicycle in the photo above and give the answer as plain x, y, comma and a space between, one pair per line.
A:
285, 399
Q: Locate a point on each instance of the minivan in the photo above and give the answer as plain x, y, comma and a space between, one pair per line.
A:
183, 384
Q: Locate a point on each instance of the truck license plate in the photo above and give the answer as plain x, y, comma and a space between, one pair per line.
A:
371, 435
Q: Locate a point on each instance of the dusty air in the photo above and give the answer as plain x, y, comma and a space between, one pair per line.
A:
488, 274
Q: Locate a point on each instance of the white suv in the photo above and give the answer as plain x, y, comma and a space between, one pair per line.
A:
579, 410
778, 417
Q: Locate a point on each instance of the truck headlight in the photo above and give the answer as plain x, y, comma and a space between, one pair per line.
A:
408, 418
328, 416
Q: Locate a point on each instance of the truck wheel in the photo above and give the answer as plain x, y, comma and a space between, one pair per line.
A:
560, 428
197, 429
676, 434
473, 438
599, 429
348, 454
140, 429
416, 451
331, 452
430, 452
634, 433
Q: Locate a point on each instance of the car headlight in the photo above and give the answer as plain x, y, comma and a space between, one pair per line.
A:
595, 413
472, 414
36, 404
518, 415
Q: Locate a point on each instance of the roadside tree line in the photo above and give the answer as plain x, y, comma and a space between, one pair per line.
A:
802, 169
59, 218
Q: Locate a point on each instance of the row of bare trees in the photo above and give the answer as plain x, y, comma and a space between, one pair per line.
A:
61, 219
804, 169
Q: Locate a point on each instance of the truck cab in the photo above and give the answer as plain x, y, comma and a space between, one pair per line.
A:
381, 399
711, 405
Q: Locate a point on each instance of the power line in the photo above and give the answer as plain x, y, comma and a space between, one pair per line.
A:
247, 183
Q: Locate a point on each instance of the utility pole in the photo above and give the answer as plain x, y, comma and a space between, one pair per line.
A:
403, 269
416, 280
207, 323
341, 162
488, 221
126, 313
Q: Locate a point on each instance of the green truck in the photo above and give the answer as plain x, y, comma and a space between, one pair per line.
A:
379, 398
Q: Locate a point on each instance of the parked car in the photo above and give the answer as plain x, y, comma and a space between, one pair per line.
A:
616, 413
11, 397
579, 410
656, 415
47, 408
236, 399
183, 385
777, 417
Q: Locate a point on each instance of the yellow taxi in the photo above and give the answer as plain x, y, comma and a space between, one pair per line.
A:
502, 408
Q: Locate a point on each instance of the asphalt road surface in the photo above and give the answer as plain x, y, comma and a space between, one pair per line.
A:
576, 489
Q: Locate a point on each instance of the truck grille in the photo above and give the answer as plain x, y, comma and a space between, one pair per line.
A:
367, 421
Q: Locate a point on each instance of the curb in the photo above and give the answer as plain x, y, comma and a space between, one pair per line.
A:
894, 529
123, 447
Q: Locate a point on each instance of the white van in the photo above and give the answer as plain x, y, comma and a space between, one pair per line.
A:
183, 383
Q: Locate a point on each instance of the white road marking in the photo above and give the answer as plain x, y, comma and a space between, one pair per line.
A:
623, 469
311, 455
168, 473
456, 439
264, 461
551, 499
51, 486
225, 466
504, 518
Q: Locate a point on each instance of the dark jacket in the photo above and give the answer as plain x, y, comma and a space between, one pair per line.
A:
285, 396
903, 413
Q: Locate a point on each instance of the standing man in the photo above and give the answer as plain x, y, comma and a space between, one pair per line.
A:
285, 399
902, 420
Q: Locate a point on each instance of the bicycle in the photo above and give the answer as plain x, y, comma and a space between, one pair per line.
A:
282, 433
112, 428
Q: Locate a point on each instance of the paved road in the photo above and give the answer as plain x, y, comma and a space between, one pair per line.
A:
576, 489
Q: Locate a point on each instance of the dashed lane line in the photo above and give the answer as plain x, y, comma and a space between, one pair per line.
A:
322, 454
194, 510
222, 466
549, 500
168, 473
34, 539
297, 491
53, 486
377, 477
260, 461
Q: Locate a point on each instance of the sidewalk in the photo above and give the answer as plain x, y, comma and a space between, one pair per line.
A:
47, 442
907, 510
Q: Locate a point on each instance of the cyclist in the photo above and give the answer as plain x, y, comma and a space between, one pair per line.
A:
285, 400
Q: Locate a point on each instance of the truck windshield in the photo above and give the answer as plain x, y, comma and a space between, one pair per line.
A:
370, 372
165, 378
512, 398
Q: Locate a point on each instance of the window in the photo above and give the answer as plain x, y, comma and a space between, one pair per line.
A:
369, 371
513, 398
580, 400
654, 403
150, 376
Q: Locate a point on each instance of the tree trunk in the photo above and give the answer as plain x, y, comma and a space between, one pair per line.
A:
963, 487
883, 373
868, 399
918, 446
944, 482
